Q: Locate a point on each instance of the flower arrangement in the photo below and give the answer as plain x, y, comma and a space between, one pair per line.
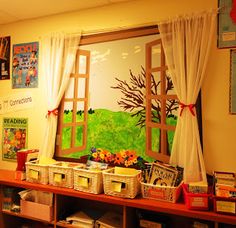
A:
125, 158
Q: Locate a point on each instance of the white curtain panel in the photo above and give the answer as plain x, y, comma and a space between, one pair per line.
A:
58, 58
186, 41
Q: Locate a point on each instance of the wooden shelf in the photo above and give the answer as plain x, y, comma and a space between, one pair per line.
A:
7, 178
24, 216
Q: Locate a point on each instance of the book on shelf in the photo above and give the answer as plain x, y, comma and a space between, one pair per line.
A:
109, 220
81, 219
163, 175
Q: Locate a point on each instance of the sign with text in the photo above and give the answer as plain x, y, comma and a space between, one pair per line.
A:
15, 132
16, 102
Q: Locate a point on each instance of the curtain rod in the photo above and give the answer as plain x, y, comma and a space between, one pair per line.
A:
116, 29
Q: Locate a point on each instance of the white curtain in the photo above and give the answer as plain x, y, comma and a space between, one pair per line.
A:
186, 41
58, 57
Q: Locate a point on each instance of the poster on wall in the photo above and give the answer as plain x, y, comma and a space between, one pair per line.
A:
25, 65
5, 44
14, 137
232, 90
227, 24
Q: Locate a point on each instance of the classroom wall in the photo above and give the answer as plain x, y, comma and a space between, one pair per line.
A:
219, 126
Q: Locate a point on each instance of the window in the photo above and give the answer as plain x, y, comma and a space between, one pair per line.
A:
161, 104
125, 104
72, 126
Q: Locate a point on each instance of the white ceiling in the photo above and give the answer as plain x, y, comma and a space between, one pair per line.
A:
17, 10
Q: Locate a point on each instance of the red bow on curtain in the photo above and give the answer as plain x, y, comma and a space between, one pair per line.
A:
189, 106
54, 112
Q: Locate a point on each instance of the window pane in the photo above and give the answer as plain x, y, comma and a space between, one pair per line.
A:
79, 136
70, 89
169, 86
82, 64
156, 110
170, 137
66, 137
171, 111
68, 110
156, 83
81, 87
156, 56
155, 137
80, 112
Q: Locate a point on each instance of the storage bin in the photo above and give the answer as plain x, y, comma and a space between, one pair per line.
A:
88, 180
61, 174
162, 193
36, 210
125, 186
224, 205
36, 173
196, 201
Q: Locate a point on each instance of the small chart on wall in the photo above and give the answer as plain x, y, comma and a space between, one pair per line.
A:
25, 65
14, 137
226, 24
232, 94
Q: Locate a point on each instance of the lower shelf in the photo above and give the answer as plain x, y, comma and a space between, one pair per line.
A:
7, 212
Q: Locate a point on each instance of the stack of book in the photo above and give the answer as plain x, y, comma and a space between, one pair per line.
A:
225, 184
164, 175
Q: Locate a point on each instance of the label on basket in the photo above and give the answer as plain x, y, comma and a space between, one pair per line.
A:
198, 201
83, 181
57, 177
116, 186
225, 206
34, 174
156, 193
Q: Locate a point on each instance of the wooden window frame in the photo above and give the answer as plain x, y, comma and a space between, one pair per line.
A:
92, 39
124, 34
161, 154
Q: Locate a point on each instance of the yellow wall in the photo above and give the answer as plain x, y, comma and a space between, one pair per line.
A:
219, 127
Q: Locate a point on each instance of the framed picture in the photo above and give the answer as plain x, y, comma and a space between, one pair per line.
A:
232, 90
25, 65
226, 24
5, 44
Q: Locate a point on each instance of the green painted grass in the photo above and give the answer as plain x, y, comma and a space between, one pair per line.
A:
112, 131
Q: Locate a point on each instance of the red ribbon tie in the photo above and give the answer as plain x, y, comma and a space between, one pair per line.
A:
189, 106
54, 112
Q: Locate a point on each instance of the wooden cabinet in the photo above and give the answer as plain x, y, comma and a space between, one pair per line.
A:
68, 200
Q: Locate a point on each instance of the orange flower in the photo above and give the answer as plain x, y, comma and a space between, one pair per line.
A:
123, 153
131, 155
107, 156
118, 159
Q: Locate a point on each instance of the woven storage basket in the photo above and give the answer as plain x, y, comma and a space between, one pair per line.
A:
36, 173
88, 180
126, 186
162, 193
61, 174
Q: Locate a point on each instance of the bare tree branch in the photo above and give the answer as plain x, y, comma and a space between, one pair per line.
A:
134, 99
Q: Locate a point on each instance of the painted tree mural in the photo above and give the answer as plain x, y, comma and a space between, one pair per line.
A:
133, 97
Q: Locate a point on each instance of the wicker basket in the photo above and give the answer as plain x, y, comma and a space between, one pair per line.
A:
88, 180
126, 186
36, 173
162, 193
61, 174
